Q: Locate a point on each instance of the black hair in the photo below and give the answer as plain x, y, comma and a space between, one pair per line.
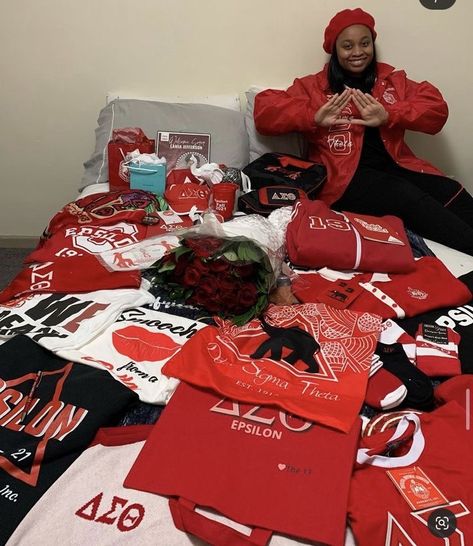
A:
337, 77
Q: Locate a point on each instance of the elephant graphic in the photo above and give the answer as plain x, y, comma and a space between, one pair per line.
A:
302, 345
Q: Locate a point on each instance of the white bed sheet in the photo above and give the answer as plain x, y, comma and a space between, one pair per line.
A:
457, 262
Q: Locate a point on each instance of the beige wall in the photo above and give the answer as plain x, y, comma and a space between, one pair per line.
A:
59, 58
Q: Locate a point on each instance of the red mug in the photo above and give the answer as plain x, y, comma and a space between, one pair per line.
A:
224, 194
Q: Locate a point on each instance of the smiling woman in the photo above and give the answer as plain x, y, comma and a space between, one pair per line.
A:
355, 49
349, 38
354, 114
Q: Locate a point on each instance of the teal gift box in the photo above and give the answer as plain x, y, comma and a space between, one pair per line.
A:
148, 176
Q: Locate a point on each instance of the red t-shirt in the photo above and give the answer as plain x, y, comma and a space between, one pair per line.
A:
397, 295
68, 261
434, 472
314, 362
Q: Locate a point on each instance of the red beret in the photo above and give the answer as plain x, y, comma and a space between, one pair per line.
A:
344, 19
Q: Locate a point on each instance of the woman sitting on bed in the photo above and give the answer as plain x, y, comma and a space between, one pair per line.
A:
354, 114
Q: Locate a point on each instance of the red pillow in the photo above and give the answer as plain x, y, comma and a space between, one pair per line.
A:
320, 237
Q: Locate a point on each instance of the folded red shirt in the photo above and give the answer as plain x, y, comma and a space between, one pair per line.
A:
320, 237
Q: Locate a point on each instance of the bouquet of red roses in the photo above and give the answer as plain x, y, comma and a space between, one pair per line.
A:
229, 277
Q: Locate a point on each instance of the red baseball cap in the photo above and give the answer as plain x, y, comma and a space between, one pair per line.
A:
344, 19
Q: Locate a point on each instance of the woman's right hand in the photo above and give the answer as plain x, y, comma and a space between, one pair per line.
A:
329, 113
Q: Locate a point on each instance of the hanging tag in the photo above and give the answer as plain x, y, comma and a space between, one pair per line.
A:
435, 333
416, 488
170, 217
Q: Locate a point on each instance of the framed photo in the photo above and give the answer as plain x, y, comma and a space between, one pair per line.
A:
178, 148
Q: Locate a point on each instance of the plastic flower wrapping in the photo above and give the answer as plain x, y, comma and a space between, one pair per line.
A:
228, 269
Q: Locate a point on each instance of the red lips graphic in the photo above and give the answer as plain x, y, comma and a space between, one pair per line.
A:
140, 345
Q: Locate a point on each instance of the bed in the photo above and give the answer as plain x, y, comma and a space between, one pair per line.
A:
52, 323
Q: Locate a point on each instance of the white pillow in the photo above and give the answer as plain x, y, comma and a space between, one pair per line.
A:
92, 189
291, 143
229, 139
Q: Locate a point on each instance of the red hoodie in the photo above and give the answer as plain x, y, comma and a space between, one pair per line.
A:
411, 105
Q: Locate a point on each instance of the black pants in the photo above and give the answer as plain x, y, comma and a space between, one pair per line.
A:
435, 207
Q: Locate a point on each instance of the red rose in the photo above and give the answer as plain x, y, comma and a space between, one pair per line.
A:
181, 265
214, 306
230, 302
198, 297
219, 266
248, 295
191, 277
245, 271
204, 247
227, 285
237, 309
208, 285
212, 303
198, 264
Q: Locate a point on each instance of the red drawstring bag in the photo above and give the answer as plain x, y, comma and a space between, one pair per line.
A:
258, 466
185, 191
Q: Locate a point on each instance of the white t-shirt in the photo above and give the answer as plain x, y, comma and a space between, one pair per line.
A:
67, 321
135, 348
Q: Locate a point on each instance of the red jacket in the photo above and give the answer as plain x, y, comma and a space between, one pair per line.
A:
411, 105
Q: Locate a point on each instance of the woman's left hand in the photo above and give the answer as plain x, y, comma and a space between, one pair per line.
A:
373, 113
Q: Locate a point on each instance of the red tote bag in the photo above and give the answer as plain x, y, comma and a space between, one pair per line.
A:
256, 465
124, 141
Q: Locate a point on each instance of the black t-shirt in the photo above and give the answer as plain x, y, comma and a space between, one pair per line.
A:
373, 152
50, 410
